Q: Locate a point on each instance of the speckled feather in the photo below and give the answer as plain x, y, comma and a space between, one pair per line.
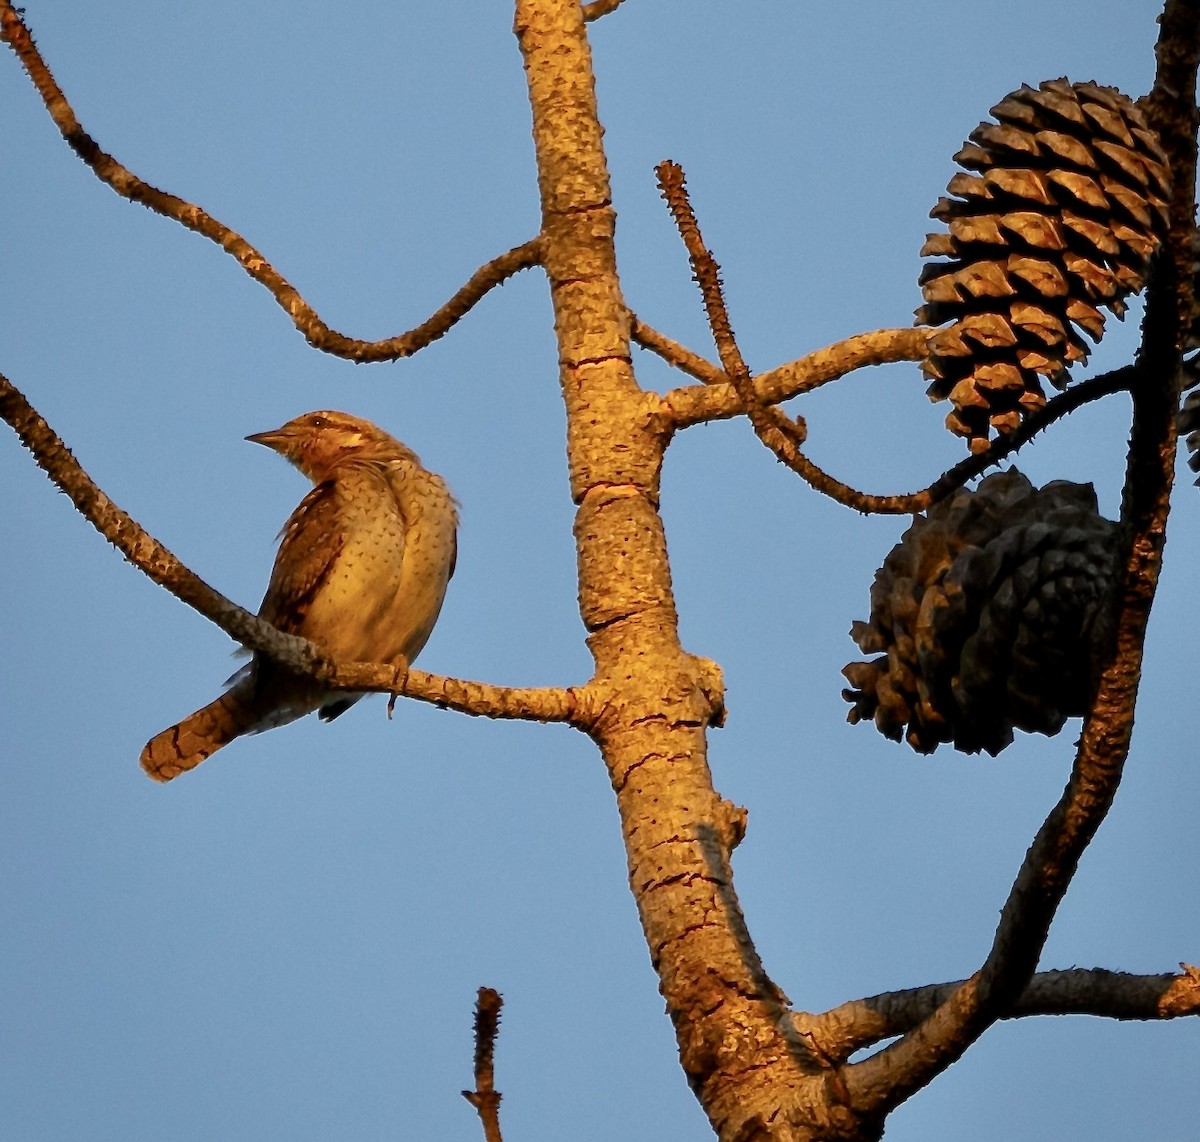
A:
362, 569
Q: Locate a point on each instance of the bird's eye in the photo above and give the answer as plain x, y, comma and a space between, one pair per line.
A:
320, 421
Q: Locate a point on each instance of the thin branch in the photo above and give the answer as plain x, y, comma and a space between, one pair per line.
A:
784, 436
774, 428
718, 400
479, 699
319, 335
598, 8
967, 469
485, 1098
1078, 991
548, 704
887, 1078
681, 358
142, 549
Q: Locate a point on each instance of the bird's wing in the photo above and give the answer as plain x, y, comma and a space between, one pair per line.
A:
312, 539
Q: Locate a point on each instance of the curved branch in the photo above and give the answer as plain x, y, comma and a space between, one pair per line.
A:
1001, 447
719, 401
887, 1078
861, 1023
548, 704
319, 335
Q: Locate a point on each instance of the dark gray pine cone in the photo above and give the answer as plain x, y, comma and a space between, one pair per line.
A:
1066, 205
983, 617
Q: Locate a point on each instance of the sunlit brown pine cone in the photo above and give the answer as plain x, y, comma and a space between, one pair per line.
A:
983, 617
1065, 204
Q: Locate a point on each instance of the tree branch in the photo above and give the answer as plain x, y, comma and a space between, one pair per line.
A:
773, 427
319, 335
548, 704
598, 8
720, 401
860, 1023
784, 436
485, 1098
678, 357
1000, 447
887, 1078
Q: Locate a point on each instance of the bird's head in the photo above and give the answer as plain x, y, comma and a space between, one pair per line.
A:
317, 441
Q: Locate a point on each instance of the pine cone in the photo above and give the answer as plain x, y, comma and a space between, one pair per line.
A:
1067, 207
986, 610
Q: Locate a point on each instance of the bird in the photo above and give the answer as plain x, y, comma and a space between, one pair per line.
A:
362, 570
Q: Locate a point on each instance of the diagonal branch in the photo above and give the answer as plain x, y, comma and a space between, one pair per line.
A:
319, 335
784, 436
679, 357
861, 1023
887, 1078
548, 704
719, 400
774, 428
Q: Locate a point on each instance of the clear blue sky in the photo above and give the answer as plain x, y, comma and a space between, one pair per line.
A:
286, 944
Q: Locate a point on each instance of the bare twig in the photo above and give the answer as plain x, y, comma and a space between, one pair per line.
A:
718, 400
485, 1098
494, 273
1078, 991
887, 1078
547, 704
680, 358
774, 428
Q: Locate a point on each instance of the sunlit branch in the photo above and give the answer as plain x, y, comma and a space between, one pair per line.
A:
548, 704
718, 400
772, 426
679, 357
598, 8
494, 273
861, 1023
884, 1080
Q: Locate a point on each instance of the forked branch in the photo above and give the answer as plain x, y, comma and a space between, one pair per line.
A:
719, 400
861, 1023
319, 335
546, 704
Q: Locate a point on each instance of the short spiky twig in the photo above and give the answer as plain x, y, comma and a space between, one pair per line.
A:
485, 1098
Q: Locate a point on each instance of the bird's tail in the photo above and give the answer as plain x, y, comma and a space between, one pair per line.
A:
201, 734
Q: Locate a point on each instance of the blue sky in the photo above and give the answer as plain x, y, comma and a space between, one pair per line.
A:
286, 944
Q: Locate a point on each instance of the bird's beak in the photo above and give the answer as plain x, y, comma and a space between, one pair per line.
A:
276, 439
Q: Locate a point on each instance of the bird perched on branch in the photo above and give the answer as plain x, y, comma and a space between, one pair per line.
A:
362, 570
